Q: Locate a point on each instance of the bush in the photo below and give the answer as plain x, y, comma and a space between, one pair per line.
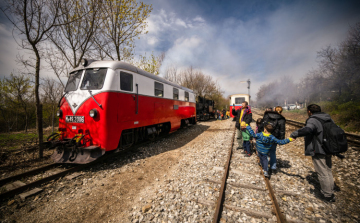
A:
347, 115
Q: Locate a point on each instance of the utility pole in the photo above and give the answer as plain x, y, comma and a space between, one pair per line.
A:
248, 81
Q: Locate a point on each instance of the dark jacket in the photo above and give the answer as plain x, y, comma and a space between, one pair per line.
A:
280, 120
312, 129
247, 117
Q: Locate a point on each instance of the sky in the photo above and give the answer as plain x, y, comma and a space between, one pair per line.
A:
232, 40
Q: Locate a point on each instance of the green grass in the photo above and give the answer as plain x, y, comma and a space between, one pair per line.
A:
14, 140
296, 111
17, 136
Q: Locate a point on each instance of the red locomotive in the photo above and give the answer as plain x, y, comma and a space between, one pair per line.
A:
109, 105
237, 99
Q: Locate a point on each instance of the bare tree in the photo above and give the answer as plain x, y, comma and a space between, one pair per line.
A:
171, 74
33, 19
73, 40
52, 93
122, 22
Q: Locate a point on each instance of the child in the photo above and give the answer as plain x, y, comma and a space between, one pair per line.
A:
264, 141
258, 125
246, 140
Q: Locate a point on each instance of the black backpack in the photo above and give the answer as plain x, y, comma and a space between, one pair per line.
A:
275, 125
334, 138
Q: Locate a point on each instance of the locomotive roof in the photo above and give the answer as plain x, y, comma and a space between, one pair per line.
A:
238, 95
125, 66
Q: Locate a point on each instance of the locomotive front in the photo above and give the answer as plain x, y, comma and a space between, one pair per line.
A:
82, 117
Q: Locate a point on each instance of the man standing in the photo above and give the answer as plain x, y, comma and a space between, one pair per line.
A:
244, 114
313, 148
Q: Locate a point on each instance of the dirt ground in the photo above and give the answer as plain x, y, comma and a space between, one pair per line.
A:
110, 191
113, 190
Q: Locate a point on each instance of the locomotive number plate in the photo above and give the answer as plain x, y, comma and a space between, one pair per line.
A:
76, 119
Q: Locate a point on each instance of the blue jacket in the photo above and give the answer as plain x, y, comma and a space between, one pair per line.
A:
265, 141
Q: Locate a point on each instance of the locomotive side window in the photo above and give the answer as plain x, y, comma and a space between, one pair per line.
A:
73, 81
239, 100
126, 81
159, 89
176, 94
93, 79
186, 96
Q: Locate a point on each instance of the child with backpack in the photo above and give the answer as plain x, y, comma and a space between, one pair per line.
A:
264, 142
246, 140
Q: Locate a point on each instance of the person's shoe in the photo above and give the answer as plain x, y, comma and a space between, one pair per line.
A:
273, 171
328, 199
247, 155
336, 188
244, 152
266, 174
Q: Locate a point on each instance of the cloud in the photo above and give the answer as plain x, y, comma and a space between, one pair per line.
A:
8, 50
235, 40
198, 19
263, 48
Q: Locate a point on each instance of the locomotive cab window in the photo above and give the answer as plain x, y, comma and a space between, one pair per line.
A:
126, 81
93, 79
176, 94
159, 89
239, 100
73, 81
186, 96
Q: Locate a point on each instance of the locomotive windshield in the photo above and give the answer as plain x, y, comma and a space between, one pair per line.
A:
239, 100
93, 79
73, 81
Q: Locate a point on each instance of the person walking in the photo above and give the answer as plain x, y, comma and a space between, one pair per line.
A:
321, 161
278, 122
242, 114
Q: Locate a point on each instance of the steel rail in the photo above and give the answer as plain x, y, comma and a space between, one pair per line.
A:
219, 205
74, 169
279, 215
27, 174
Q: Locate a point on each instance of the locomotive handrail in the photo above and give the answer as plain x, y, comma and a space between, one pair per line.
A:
137, 99
94, 99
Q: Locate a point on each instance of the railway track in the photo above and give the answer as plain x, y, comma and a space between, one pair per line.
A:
235, 169
69, 169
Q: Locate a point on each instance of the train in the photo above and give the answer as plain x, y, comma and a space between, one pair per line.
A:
237, 100
111, 105
205, 109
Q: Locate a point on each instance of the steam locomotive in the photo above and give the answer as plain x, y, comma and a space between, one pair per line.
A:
110, 105
205, 109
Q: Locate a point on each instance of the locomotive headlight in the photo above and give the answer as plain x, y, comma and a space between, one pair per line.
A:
59, 113
93, 113
84, 62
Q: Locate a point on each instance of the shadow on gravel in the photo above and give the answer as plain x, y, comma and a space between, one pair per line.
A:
284, 164
175, 140
280, 163
313, 179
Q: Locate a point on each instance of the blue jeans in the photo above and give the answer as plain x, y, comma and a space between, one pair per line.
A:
247, 146
272, 155
263, 161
